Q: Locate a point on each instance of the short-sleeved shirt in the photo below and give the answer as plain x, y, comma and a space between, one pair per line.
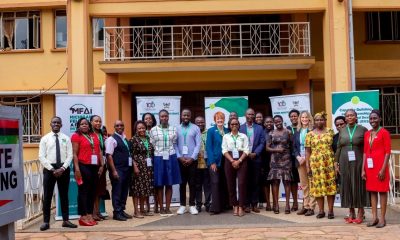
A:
85, 149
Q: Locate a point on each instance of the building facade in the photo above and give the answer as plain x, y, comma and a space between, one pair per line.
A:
193, 48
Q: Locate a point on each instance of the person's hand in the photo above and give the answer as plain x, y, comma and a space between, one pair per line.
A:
58, 172
381, 175
182, 160
115, 175
252, 155
136, 170
101, 168
279, 150
189, 161
213, 167
337, 170
301, 160
309, 172
363, 175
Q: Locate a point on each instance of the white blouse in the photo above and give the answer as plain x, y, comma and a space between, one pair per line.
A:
241, 143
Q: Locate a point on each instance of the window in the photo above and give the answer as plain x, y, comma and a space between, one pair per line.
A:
98, 32
60, 29
31, 115
389, 104
20, 30
383, 26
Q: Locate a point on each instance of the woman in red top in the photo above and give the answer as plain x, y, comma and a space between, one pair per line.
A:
377, 148
88, 167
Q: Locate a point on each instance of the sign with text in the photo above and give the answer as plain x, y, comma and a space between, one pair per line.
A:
361, 101
282, 105
12, 206
70, 108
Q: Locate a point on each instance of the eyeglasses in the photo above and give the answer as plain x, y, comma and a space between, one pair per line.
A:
234, 124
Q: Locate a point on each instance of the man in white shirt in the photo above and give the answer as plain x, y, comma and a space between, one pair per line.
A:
55, 154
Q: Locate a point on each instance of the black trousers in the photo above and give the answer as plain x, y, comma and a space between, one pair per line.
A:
87, 190
219, 189
253, 182
49, 181
120, 189
188, 176
241, 175
203, 184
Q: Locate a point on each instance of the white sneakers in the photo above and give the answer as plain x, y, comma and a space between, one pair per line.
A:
193, 210
182, 210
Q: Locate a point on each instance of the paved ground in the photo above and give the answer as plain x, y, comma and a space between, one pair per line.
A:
265, 225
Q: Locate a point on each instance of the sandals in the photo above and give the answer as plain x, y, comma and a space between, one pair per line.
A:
276, 210
235, 211
381, 225
331, 215
287, 210
295, 207
373, 224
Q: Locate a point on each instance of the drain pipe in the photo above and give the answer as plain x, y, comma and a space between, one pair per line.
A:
351, 46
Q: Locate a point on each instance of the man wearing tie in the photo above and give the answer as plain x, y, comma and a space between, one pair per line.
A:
55, 154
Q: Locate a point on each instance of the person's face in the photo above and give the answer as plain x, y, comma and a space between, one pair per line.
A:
269, 123
374, 120
351, 117
119, 127
84, 126
148, 120
259, 118
234, 125
141, 130
294, 118
220, 122
55, 125
186, 116
278, 123
319, 122
339, 124
200, 123
164, 118
233, 115
250, 115
96, 123
304, 120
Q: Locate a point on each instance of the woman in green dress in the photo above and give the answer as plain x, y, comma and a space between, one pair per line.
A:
320, 164
348, 163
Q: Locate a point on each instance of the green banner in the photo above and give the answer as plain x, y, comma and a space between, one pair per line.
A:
361, 101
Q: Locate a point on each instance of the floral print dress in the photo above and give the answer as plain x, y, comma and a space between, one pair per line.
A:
322, 181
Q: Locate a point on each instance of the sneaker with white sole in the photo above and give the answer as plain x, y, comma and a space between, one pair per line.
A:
193, 210
181, 210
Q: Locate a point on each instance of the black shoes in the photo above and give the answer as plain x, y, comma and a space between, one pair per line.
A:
119, 217
123, 213
302, 211
207, 209
321, 215
198, 208
309, 212
44, 226
68, 224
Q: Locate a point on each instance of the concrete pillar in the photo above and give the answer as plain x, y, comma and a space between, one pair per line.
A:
112, 101
302, 83
336, 51
80, 55
7, 231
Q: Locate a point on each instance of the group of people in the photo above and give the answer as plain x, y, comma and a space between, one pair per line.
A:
234, 167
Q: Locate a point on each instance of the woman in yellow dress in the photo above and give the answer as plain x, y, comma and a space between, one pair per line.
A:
320, 164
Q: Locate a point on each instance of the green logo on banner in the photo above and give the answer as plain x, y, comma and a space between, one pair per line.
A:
238, 105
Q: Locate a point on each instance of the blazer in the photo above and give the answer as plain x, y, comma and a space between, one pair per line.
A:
296, 146
259, 140
214, 146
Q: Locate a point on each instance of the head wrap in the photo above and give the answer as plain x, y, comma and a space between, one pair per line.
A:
320, 114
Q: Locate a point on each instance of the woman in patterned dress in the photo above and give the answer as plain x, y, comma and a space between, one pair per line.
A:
142, 183
279, 145
320, 164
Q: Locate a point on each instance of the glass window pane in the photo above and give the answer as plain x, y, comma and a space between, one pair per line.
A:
98, 37
21, 33
61, 32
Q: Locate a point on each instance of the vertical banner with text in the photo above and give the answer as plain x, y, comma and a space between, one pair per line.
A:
153, 104
70, 108
225, 105
12, 205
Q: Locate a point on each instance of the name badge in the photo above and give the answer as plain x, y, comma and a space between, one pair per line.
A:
185, 150
370, 163
130, 162
205, 154
148, 162
165, 155
235, 153
94, 160
251, 148
351, 155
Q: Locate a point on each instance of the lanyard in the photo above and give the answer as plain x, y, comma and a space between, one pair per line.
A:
90, 139
146, 145
101, 141
235, 138
221, 132
126, 145
204, 138
165, 136
250, 132
351, 135
292, 128
371, 140
185, 131
303, 133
